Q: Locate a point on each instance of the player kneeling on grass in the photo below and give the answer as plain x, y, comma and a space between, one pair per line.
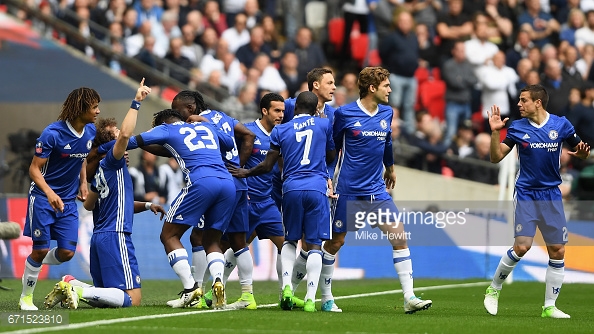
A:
537, 198
307, 146
117, 284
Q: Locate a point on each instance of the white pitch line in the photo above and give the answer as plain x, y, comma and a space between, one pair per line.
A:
180, 314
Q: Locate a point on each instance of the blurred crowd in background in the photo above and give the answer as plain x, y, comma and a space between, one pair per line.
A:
449, 61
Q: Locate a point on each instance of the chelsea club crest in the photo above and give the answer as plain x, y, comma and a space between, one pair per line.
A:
383, 124
553, 134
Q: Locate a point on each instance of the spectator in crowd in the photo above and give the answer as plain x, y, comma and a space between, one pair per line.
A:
500, 23
195, 19
134, 43
238, 34
253, 13
270, 79
353, 11
247, 53
427, 50
209, 41
293, 16
482, 151
243, 107
428, 139
271, 37
339, 98
114, 12
584, 64
424, 11
172, 177
232, 8
524, 66
129, 22
213, 17
585, 35
460, 78
349, 82
540, 25
575, 22
582, 115
557, 87
146, 181
190, 49
563, 12
462, 146
175, 56
382, 11
570, 71
519, 50
533, 78
309, 53
148, 10
534, 55
478, 49
498, 83
399, 52
290, 74
164, 32
451, 26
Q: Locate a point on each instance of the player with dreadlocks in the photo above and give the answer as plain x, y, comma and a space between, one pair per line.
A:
58, 174
192, 107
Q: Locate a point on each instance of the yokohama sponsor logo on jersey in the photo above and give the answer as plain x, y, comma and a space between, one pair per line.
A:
374, 133
544, 145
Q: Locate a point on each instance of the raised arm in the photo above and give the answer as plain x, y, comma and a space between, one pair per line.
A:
498, 149
129, 122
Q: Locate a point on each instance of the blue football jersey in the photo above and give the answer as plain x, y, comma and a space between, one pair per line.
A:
195, 146
289, 114
539, 150
366, 142
227, 124
65, 150
114, 209
303, 143
259, 186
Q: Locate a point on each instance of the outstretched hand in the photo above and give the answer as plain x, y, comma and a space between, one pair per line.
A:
156, 209
582, 151
196, 118
495, 119
237, 172
142, 91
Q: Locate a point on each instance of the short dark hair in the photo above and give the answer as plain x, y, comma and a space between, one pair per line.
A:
538, 92
316, 75
267, 100
307, 101
165, 115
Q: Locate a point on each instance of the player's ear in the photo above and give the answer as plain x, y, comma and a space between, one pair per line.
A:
372, 88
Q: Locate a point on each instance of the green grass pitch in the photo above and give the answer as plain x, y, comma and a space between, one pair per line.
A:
456, 309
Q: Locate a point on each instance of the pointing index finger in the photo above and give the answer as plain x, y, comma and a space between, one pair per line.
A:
142, 82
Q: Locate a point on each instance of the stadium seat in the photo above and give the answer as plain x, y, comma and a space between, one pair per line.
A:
169, 93
315, 14
336, 32
432, 97
3, 8
359, 47
374, 58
